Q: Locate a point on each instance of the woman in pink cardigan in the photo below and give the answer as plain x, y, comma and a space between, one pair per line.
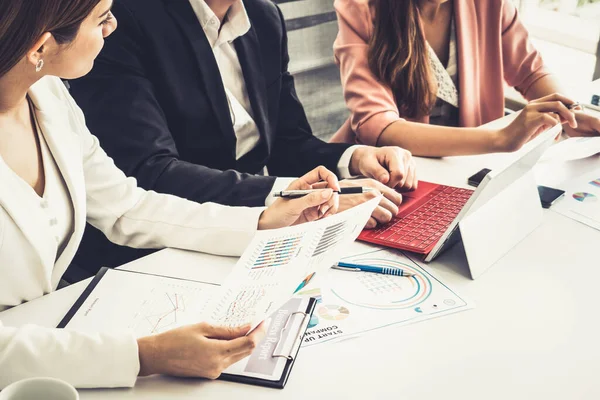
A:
424, 74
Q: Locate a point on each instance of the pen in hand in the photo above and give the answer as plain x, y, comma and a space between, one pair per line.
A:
344, 266
575, 106
294, 194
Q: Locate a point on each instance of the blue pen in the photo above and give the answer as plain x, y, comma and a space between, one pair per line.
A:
369, 268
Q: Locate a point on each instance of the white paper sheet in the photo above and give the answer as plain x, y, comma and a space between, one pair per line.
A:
151, 304
581, 201
263, 280
276, 261
572, 149
353, 303
145, 304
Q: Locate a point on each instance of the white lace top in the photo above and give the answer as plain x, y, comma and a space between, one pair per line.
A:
445, 111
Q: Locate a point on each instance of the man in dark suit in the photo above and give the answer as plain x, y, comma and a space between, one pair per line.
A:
194, 98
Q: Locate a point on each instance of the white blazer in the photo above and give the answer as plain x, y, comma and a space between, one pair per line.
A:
128, 215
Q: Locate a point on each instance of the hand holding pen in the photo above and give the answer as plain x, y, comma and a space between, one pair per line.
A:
311, 207
588, 124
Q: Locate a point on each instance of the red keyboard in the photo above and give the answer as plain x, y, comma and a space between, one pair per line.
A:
424, 217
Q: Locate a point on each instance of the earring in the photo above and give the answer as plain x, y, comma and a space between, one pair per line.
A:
39, 65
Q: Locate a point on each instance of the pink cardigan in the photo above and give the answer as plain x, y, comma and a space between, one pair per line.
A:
493, 48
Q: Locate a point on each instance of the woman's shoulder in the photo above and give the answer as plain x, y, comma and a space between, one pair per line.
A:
51, 85
51, 94
488, 8
358, 14
353, 5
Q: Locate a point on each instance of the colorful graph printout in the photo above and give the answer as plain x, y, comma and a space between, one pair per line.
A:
334, 313
584, 196
582, 199
277, 252
352, 303
596, 183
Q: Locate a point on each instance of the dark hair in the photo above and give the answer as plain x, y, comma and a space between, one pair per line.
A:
398, 56
22, 22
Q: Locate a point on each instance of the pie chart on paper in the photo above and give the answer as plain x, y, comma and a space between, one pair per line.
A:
595, 182
585, 197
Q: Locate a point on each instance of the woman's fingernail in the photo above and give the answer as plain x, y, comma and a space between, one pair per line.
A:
324, 210
326, 193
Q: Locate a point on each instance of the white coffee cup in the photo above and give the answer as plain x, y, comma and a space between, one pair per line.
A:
39, 389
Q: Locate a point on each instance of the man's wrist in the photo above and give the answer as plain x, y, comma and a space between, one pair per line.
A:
348, 166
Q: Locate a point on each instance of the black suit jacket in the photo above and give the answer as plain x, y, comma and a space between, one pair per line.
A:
156, 101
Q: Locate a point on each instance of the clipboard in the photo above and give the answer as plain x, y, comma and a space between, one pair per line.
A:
286, 346
270, 363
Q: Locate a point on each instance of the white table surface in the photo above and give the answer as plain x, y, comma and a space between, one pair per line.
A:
533, 334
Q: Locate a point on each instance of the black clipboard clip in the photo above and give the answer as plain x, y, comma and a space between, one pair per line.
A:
294, 340
289, 339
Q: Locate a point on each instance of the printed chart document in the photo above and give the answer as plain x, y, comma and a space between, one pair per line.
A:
351, 303
581, 201
276, 261
150, 304
143, 303
259, 288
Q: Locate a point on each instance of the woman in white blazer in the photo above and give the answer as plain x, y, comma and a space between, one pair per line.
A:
54, 177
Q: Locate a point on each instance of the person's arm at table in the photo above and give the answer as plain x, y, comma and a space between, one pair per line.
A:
82, 359
105, 360
524, 69
587, 124
439, 141
375, 117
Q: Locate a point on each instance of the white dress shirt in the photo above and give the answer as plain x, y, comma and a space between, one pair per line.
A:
55, 200
221, 40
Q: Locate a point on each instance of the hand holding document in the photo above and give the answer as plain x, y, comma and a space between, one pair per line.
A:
276, 261
260, 288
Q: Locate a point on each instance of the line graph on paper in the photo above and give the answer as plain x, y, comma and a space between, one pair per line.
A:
167, 318
168, 307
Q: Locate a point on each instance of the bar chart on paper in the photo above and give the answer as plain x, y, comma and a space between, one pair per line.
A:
276, 252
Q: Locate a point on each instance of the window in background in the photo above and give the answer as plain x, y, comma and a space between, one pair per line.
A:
567, 33
312, 28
